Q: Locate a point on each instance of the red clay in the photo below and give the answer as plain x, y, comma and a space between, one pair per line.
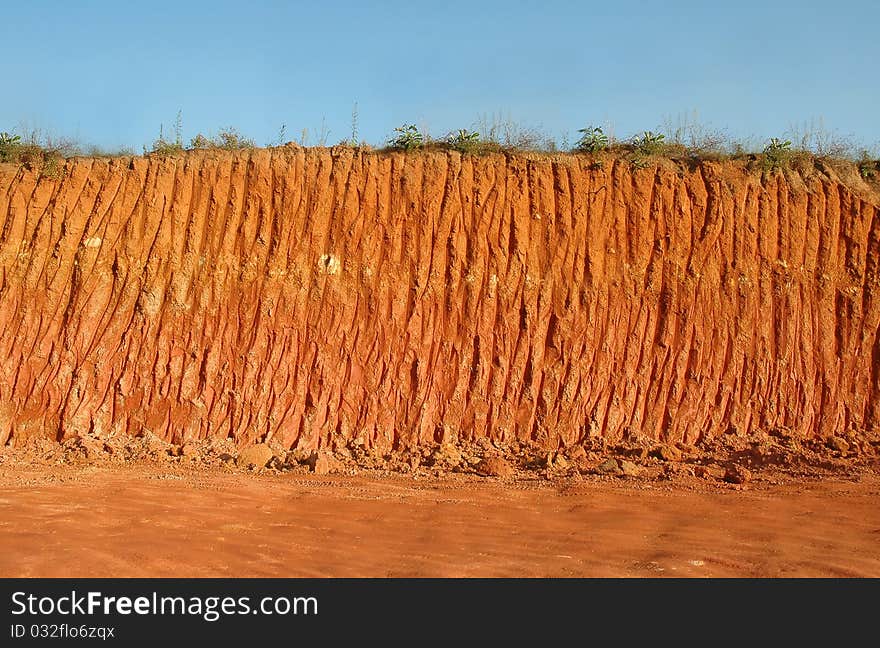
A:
319, 297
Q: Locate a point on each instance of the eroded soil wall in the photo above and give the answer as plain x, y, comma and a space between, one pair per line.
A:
312, 295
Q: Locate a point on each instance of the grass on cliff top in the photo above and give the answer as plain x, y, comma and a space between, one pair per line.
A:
685, 141
35, 151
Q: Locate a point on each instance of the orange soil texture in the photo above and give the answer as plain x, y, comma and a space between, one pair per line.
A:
311, 296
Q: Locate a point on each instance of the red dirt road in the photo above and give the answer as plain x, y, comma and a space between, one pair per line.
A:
146, 521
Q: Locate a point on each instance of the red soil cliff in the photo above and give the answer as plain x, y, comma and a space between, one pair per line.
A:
308, 296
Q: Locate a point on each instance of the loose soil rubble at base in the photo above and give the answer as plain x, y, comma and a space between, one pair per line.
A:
726, 461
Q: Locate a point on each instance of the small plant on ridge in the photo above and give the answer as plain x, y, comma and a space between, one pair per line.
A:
408, 138
464, 141
9, 146
593, 140
649, 143
776, 154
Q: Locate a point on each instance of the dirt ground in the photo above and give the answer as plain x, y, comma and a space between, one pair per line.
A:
155, 520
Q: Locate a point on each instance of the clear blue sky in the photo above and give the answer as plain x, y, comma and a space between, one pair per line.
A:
109, 72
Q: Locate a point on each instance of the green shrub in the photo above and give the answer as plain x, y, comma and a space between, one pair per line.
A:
408, 138
777, 154
9, 147
649, 143
593, 140
464, 141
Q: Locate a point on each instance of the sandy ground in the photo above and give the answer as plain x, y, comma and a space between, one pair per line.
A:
151, 521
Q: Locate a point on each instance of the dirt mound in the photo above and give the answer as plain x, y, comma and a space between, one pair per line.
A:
371, 304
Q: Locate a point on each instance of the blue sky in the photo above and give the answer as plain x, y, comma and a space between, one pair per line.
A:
109, 73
